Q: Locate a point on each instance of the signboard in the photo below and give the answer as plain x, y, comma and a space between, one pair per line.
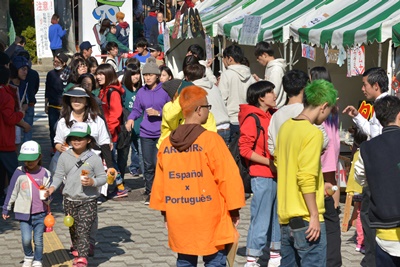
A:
44, 10
308, 51
92, 12
250, 30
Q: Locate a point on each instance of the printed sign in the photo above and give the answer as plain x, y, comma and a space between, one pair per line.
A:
97, 10
356, 61
44, 10
308, 51
250, 30
209, 48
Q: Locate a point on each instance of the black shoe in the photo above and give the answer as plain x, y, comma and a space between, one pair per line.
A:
147, 201
101, 199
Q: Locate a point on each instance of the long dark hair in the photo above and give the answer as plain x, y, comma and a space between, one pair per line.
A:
91, 77
74, 66
321, 73
91, 109
105, 24
110, 76
130, 70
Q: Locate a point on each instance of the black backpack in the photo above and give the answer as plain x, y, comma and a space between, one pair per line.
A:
240, 161
124, 137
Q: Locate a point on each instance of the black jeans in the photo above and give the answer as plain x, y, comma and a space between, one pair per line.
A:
149, 152
54, 115
369, 234
332, 224
8, 164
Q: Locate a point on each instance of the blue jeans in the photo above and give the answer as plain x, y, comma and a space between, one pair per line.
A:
149, 152
54, 115
234, 129
264, 226
136, 156
35, 224
215, 260
29, 114
225, 134
296, 250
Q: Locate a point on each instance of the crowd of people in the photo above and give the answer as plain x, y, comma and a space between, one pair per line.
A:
98, 113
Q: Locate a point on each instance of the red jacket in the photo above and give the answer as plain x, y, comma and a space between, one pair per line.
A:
113, 112
9, 117
248, 134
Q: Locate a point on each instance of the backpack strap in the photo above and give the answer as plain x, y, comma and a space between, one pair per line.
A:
109, 96
259, 129
80, 162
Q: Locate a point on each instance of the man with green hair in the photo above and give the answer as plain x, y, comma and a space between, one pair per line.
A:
300, 190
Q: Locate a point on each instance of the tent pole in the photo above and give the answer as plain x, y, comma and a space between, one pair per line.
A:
290, 53
285, 51
379, 55
220, 53
390, 66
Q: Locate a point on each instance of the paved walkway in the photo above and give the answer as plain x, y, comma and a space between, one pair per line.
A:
129, 233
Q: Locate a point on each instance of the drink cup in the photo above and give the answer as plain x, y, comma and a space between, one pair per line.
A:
83, 177
42, 194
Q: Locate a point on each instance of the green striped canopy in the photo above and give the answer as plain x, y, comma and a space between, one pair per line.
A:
344, 23
396, 35
217, 10
276, 16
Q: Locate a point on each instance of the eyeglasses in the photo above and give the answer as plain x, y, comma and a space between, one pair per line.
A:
206, 106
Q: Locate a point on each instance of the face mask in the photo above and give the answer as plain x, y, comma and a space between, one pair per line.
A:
58, 68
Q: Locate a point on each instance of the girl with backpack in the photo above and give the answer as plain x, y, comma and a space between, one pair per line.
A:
111, 95
254, 149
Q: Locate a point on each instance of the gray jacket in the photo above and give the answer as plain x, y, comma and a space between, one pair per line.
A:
73, 189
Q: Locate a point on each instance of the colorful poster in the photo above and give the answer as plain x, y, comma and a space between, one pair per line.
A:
44, 10
92, 12
250, 30
308, 51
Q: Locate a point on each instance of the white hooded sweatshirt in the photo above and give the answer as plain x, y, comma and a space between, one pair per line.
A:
274, 72
214, 98
233, 84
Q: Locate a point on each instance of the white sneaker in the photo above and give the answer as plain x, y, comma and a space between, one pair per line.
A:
274, 262
27, 262
37, 264
252, 264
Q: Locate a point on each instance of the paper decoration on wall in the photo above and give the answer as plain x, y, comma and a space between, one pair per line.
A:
308, 51
209, 48
342, 56
250, 30
356, 61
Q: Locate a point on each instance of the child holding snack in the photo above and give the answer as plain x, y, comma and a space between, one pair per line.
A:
84, 172
23, 193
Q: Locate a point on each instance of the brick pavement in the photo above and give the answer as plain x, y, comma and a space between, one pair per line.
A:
129, 233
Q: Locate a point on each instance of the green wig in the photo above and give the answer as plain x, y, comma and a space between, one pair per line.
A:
319, 92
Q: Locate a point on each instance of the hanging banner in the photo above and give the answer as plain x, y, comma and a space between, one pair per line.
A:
167, 44
308, 51
250, 30
209, 48
44, 10
356, 61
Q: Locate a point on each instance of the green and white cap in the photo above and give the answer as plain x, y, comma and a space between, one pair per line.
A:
80, 129
30, 151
